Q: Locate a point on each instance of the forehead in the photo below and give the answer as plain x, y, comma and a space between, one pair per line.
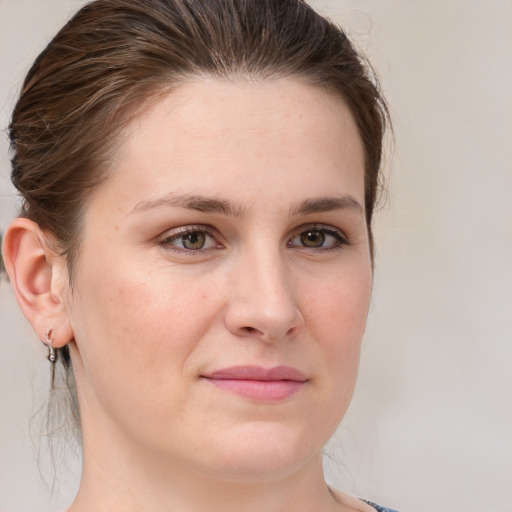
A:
212, 135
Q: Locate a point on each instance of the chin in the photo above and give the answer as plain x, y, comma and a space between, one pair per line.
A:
263, 452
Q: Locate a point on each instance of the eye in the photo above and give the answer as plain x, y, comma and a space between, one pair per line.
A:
193, 241
319, 237
312, 238
190, 239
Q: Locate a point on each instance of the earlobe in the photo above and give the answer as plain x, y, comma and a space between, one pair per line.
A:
33, 269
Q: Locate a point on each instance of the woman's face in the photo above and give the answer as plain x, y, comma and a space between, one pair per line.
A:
224, 279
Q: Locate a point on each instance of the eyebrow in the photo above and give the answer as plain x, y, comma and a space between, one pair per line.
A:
225, 207
193, 202
327, 204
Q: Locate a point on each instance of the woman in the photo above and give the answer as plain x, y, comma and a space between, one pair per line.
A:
195, 245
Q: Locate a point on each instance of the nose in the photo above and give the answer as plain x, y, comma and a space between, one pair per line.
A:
263, 302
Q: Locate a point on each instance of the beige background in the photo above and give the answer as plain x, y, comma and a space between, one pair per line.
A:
430, 427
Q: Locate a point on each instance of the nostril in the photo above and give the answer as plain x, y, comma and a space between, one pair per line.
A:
249, 330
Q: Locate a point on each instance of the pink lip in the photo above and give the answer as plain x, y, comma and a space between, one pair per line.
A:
257, 383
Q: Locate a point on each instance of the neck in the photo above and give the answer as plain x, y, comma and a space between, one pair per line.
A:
156, 486
118, 477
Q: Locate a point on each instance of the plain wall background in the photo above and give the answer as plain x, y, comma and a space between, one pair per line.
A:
430, 426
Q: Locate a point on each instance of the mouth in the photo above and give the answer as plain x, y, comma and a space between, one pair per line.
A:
257, 383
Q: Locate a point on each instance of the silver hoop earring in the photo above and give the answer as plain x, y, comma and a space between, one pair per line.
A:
52, 354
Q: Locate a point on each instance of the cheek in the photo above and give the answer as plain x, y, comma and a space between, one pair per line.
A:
338, 309
337, 317
130, 323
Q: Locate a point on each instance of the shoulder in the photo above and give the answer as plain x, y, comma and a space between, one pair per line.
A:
359, 504
379, 508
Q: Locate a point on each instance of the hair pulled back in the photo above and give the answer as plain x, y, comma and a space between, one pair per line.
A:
114, 56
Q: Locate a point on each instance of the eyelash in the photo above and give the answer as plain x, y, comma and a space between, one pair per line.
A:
340, 240
188, 230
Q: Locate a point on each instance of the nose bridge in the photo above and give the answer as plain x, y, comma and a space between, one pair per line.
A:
268, 273
264, 303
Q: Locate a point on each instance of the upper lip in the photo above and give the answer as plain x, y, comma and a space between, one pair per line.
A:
258, 373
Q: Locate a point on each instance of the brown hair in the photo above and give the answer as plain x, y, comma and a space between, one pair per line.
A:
114, 56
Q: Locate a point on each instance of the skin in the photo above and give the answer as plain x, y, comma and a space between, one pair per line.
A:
149, 318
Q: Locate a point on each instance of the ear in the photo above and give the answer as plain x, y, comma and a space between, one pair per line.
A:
39, 279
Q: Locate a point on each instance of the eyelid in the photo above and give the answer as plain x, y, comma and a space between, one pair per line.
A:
174, 234
328, 229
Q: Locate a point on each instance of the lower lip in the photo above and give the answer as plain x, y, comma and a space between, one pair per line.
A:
262, 390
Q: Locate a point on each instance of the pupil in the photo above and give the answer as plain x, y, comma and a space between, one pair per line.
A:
194, 240
313, 238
